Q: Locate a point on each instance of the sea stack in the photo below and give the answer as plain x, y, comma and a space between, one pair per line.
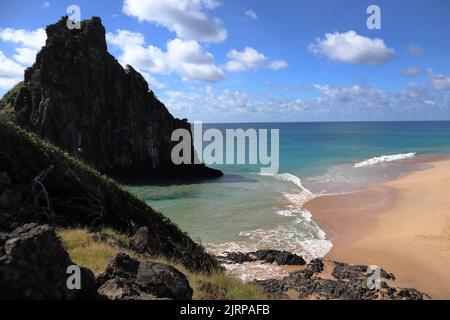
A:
79, 97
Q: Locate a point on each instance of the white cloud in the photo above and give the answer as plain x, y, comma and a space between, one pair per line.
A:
152, 81
247, 59
251, 59
350, 47
413, 92
411, 72
187, 18
46, 4
251, 14
30, 42
186, 58
10, 72
25, 56
278, 64
439, 82
362, 96
209, 103
29, 39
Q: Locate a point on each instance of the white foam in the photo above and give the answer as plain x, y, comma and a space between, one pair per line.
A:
286, 213
384, 159
302, 236
250, 271
294, 179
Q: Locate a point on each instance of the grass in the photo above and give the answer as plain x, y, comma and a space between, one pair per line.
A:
123, 240
87, 250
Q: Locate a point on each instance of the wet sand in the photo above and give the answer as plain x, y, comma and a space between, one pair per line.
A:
402, 226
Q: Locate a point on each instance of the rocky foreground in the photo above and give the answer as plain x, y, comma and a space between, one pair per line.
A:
322, 279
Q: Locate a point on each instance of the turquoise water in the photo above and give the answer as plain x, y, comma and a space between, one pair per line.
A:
245, 210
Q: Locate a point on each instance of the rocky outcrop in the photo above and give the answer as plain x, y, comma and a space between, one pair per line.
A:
33, 265
268, 256
129, 279
77, 96
346, 282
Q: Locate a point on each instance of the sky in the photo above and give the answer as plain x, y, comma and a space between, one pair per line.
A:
262, 60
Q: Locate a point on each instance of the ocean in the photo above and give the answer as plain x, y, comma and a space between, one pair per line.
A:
246, 211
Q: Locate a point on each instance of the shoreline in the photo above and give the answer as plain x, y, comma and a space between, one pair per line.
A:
402, 226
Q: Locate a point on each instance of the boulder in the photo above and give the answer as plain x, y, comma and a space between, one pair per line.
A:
316, 265
279, 257
139, 242
127, 278
34, 265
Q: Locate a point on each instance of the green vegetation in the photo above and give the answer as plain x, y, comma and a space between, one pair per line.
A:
7, 102
86, 249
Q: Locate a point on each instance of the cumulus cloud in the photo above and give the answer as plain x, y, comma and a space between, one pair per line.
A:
411, 72
251, 14
30, 39
413, 91
351, 47
210, 104
189, 19
245, 60
332, 103
439, 82
10, 72
251, 59
184, 57
29, 43
356, 94
278, 64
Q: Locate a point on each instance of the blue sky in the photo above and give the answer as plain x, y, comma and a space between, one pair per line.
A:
245, 61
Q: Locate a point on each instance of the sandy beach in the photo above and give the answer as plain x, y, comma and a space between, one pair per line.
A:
402, 226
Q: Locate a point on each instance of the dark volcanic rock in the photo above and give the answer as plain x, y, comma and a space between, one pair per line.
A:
79, 97
236, 257
349, 283
279, 257
269, 256
316, 265
33, 265
126, 278
4, 181
140, 241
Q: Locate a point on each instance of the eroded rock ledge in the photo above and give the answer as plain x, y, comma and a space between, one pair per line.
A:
323, 279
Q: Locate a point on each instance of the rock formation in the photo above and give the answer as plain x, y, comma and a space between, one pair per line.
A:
128, 279
78, 96
33, 265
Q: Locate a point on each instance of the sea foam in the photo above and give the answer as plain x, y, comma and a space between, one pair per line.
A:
384, 159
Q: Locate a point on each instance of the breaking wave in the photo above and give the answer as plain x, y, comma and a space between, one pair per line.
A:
384, 159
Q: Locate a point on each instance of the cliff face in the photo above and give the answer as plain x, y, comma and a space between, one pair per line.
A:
79, 97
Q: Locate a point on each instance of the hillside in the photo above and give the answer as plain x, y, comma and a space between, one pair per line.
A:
46, 185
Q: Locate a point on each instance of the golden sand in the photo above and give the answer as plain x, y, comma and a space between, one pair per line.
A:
402, 226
